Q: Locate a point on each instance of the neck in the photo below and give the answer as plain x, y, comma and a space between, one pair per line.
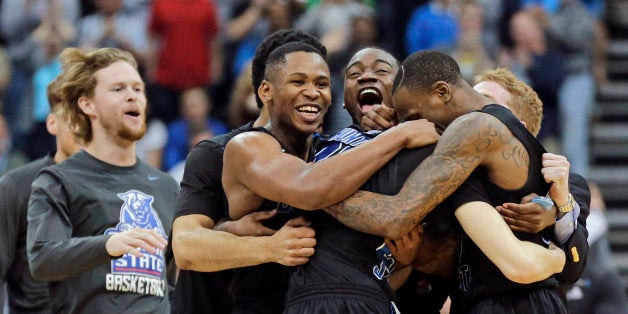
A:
113, 151
262, 119
296, 144
59, 156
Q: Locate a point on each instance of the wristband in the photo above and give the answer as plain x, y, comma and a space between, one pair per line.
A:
545, 202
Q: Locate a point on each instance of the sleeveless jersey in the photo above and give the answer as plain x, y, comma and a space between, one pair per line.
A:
262, 288
478, 277
343, 255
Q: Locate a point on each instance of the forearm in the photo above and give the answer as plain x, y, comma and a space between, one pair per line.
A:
520, 261
457, 154
210, 250
57, 260
334, 179
393, 216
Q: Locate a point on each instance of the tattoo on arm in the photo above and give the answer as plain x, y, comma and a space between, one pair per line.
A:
462, 148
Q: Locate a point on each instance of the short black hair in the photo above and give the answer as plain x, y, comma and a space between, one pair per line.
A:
422, 69
272, 42
277, 59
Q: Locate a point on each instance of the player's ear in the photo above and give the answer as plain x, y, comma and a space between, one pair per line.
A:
264, 92
86, 105
51, 124
442, 90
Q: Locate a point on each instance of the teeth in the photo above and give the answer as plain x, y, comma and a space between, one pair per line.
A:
369, 91
311, 109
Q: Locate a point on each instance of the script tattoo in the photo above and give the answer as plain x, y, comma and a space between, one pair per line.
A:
461, 149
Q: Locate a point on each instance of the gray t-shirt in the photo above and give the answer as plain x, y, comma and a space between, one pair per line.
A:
74, 208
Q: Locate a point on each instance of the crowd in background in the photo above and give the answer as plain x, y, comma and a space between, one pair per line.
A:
194, 55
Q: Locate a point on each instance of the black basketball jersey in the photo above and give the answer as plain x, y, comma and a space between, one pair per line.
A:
344, 255
478, 277
262, 288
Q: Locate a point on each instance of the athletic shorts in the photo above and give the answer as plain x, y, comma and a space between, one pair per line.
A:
538, 301
337, 298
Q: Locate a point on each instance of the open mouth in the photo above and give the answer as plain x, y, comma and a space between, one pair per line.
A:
369, 98
132, 113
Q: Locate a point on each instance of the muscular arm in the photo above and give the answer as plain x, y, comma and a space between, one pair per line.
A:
254, 162
463, 146
520, 261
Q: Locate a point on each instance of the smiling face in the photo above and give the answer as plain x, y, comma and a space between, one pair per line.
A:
368, 81
119, 103
298, 94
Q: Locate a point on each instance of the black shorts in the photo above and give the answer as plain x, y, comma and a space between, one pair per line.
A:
337, 298
538, 301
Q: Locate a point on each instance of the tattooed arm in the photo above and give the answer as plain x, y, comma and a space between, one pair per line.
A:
469, 141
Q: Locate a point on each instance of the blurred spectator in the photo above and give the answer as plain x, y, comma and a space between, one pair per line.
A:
242, 106
393, 16
577, 94
10, 157
470, 52
195, 109
330, 20
540, 66
433, 25
51, 37
363, 33
5, 74
111, 27
184, 52
492, 11
18, 21
251, 21
197, 133
600, 288
150, 147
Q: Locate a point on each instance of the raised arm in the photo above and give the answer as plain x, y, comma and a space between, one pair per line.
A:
465, 144
254, 161
520, 261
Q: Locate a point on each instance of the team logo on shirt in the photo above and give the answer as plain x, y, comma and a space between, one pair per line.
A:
138, 274
387, 264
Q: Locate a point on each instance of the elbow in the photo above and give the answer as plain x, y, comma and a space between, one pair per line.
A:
181, 258
40, 272
523, 273
183, 263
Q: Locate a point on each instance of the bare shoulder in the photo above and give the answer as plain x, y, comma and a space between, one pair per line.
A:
251, 143
476, 131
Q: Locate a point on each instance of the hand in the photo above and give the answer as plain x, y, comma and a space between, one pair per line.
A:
294, 243
381, 117
527, 216
251, 224
131, 241
405, 249
556, 171
419, 133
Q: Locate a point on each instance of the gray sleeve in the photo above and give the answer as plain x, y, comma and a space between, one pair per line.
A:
53, 254
9, 224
